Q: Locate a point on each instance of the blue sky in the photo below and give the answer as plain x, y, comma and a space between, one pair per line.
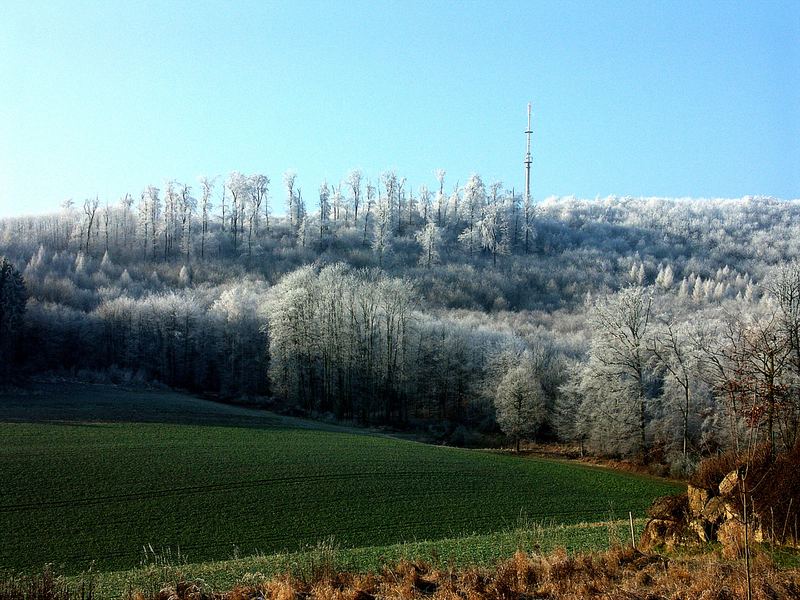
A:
631, 98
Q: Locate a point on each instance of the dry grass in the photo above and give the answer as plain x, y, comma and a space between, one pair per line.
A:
571, 452
621, 573
46, 586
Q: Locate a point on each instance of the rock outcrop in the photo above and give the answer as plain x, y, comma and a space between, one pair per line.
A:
702, 515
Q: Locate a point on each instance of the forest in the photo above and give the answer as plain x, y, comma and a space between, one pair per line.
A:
653, 328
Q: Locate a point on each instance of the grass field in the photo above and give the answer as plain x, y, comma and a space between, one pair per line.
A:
93, 473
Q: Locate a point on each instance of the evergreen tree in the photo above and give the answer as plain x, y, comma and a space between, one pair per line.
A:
13, 298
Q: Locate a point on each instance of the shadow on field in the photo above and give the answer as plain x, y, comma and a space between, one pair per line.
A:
93, 404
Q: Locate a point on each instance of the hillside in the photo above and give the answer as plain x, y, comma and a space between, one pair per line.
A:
428, 315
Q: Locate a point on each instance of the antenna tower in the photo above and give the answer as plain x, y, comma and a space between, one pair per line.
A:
528, 161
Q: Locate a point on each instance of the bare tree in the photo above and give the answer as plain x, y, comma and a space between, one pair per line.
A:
125, 204
106, 223
238, 187
441, 200
368, 211
354, 183
171, 219
289, 179
259, 191
89, 209
187, 208
425, 202
205, 209
528, 211
324, 209
620, 325
784, 286
672, 347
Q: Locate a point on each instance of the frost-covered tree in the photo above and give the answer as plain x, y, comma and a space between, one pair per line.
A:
441, 199
185, 277
746, 362
471, 209
665, 278
368, 211
106, 216
493, 231
292, 345
259, 191
80, 263
676, 356
125, 280
143, 221
453, 209
783, 285
169, 227
401, 203
698, 293
340, 341
425, 203
636, 274
390, 197
38, 261
382, 230
354, 183
206, 206
90, 209
429, 238
222, 197
767, 383
149, 218
105, 264
239, 188
411, 208
324, 209
528, 223
615, 381
125, 204
338, 206
289, 179
243, 337
519, 403
302, 231
257, 186
187, 205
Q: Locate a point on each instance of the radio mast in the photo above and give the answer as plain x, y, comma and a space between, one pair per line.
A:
528, 161
528, 208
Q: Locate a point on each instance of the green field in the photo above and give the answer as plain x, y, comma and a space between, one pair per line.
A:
93, 473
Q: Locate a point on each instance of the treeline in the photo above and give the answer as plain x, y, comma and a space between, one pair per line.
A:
204, 339
669, 378
608, 323
441, 237
355, 343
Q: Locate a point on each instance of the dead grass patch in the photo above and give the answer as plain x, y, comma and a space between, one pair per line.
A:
620, 573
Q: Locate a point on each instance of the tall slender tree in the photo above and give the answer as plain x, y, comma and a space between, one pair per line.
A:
354, 183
